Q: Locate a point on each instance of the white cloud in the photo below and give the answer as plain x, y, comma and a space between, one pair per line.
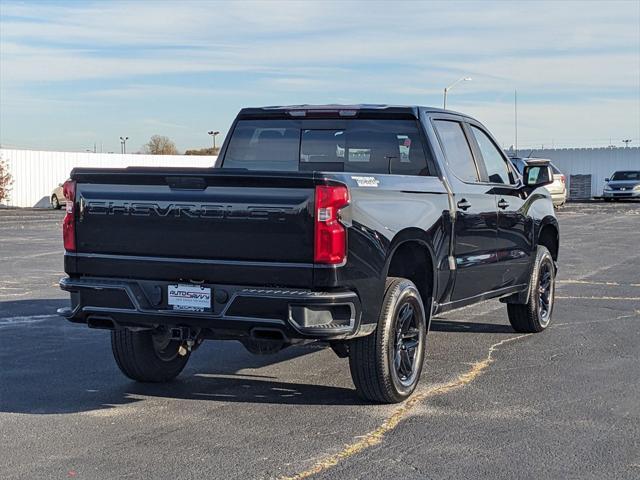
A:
586, 54
119, 40
560, 124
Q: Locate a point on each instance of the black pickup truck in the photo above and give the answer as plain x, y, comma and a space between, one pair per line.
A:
351, 225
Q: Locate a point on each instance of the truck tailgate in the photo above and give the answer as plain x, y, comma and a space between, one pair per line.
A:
195, 214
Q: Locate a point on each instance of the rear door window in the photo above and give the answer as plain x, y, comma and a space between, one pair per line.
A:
457, 150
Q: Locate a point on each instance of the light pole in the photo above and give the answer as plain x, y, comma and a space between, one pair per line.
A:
123, 143
213, 135
515, 116
446, 90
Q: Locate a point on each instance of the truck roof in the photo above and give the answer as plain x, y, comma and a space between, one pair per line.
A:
359, 108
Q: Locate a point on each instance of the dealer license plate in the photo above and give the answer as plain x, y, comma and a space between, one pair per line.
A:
189, 297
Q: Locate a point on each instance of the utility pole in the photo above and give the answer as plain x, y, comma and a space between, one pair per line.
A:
515, 116
123, 144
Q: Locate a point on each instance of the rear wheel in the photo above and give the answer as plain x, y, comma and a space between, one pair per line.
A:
535, 315
147, 356
386, 365
55, 203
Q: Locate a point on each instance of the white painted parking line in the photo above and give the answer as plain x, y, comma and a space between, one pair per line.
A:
13, 321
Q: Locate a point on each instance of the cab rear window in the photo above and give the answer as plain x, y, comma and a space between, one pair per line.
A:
371, 146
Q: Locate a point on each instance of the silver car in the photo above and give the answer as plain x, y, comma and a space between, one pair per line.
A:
57, 198
622, 184
558, 189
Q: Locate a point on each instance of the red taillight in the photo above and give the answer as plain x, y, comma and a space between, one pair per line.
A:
562, 177
330, 234
69, 222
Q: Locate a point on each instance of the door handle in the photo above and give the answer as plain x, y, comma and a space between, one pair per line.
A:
463, 204
503, 203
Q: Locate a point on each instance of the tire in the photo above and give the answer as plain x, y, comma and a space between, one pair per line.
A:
382, 365
146, 356
55, 203
607, 199
535, 315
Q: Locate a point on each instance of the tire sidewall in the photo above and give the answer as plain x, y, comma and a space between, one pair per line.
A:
543, 256
397, 295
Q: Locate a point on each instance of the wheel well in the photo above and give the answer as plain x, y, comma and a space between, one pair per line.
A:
412, 260
549, 238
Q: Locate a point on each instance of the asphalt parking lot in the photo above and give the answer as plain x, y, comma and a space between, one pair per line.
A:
491, 404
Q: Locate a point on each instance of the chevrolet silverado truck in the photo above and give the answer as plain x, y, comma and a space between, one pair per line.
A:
349, 225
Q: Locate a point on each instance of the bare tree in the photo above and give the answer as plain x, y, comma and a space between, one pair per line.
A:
160, 145
5, 180
203, 151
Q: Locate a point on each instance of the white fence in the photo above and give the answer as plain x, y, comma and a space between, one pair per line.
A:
37, 173
600, 163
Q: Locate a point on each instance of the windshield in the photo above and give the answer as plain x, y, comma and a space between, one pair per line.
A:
626, 176
371, 146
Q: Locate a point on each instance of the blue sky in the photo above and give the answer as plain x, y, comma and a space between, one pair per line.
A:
77, 72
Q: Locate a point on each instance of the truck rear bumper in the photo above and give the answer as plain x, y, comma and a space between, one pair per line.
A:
236, 311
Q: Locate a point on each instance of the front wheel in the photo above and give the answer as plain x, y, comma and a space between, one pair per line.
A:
535, 315
147, 356
386, 365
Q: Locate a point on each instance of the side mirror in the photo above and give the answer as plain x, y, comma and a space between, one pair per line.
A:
607, 179
535, 176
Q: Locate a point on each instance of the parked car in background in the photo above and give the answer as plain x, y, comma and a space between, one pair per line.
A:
57, 198
622, 184
558, 189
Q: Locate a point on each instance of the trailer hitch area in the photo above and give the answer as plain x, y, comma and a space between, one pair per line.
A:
189, 338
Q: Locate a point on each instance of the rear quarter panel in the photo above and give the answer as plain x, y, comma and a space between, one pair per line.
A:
391, 210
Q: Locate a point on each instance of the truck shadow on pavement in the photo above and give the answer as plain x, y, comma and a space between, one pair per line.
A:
12, 310
49, 366
234, 388
441, 325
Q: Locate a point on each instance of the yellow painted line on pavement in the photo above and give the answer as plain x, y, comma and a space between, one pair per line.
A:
590, 282
577, 297
376, 436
